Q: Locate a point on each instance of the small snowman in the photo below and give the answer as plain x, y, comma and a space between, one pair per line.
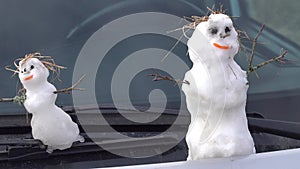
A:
217, 93
50, 124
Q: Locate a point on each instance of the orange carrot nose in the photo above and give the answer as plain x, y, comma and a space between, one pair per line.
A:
220, 46
29, 77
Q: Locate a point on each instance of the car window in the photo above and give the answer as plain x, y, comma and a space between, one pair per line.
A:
281, 17
62, 29
118, 44
274, 88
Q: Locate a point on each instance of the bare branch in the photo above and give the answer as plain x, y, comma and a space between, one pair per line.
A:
158, 77
279, 59
251, 68
21, 99
169, 52
6, 99
253, 48
73, 87
17, 99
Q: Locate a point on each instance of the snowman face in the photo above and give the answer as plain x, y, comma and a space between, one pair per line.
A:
32, 71
220, 33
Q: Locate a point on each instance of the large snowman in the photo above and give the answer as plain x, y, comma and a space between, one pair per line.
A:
217, 93
49, 123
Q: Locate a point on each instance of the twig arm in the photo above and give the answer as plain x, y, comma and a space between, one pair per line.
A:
279, 58
158, 77
253, 48
6, 99
17, 99
69, 89
21, 99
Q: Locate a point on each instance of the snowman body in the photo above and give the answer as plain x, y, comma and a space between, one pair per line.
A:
217, 93
49, 123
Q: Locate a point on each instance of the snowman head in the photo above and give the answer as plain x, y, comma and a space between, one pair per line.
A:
34, 69
221, 34
32, 72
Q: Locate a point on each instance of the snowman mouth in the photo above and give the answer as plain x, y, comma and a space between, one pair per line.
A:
29, 78
220, 46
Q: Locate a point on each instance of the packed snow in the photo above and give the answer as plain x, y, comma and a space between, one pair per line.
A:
217, 93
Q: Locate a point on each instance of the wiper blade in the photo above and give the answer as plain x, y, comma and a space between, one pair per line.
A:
112, 109
276, 127
35, 151
21, 142
32, 149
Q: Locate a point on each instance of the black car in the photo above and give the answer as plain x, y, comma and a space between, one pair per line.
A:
125, 116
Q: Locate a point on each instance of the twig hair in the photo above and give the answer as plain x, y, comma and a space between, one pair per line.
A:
47, 61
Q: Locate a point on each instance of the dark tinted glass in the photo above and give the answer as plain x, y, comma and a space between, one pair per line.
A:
61, 28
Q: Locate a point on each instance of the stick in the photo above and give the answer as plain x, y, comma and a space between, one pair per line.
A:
279, 58
21, 99
6, 99
158, 77
73, 87
252, 68
169, 52
17, 99
253, 48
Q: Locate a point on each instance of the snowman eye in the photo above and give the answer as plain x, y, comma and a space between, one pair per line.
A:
227, 29
213, 31
31, 67
24, 70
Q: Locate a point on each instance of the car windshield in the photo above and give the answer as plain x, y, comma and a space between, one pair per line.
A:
286, 24
121, 46
63, 33
276, 84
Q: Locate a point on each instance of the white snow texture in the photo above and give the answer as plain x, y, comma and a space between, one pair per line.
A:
216, 96
49, 123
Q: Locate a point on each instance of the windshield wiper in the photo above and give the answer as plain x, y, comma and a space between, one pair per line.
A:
26, 149
276, 127
20, 149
